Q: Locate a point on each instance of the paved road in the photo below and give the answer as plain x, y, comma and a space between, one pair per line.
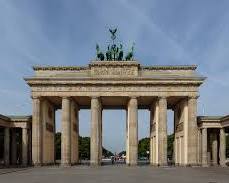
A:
117, 174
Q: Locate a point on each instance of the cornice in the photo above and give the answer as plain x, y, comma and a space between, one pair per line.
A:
59, 68
5, 118
16, 118
139, 82
114, 63
20, 118
121, 78
225, 118
170, 67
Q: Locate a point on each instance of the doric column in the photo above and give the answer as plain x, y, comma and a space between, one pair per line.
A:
192, 131
75, 133
132, 131
127, 139
162, 132
6, 146
222, 148
96, 140
24, 147
100, 133
199, 147
13, 146
204, 147
214, 148
36, 132
152, 129
29, 146
66, 132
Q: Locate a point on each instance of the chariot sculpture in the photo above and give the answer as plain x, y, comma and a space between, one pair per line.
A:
114, 50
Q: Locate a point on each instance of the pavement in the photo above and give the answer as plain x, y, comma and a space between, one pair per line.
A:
116, 173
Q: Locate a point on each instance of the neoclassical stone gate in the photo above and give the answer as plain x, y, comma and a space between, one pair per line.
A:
122, 85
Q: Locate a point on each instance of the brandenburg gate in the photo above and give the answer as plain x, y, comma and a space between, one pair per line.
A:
114, 81
115, 85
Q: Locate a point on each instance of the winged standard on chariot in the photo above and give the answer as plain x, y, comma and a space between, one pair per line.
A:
114, 52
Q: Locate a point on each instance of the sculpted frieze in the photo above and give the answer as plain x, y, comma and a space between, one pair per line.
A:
110, 88
114, 71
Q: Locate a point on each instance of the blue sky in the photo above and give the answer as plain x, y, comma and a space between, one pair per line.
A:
64, 32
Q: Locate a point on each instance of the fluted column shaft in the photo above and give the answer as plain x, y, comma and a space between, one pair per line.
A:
96, 132
77, 134
36, 133
24, 146
152, 129
192, 131
222, 149
204, 148
132, 131
162, 132
66, 132
6, 146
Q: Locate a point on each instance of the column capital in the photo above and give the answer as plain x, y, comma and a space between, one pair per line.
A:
162, 97
133, 97
203, 128
95, 97
35, 97
193, 97
133, 101
66, 97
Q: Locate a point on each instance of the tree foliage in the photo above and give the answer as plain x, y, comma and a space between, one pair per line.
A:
84, 147
144, 144
170, 146
143, 147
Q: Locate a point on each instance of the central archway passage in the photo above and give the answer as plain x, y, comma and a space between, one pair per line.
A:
114, 136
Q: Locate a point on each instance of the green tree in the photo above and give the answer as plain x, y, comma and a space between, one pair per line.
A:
144, 144
84, 147
170, 146
122, 153
143, 147
107, 153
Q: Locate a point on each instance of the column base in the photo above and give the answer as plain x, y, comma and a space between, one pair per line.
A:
159, 164
205, 165
132, 164
24, 164
223, 165
66, 164
37, 164
192, 165
95, 163
215, 164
